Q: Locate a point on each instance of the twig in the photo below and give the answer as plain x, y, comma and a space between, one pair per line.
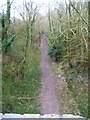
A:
79, 14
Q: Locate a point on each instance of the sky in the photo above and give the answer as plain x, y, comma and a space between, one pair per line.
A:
19, 3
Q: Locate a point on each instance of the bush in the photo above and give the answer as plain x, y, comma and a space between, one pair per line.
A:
54, 53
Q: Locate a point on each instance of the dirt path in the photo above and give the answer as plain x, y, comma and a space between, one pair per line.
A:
48, 96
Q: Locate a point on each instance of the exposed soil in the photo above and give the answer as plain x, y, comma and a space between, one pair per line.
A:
48, 96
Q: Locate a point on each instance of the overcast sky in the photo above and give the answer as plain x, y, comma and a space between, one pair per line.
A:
42, 3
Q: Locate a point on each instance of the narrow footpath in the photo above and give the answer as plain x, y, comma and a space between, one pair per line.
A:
49, 99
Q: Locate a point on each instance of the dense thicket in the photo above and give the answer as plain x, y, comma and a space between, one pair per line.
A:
68, 45
21, 59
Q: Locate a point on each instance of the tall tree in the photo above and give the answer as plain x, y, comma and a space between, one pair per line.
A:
6, 21
49, 18
4, 34
8, 16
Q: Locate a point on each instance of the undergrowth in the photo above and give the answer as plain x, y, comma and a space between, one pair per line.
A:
21, 79
77, 84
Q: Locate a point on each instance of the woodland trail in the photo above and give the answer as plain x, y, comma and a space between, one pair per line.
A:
48, 96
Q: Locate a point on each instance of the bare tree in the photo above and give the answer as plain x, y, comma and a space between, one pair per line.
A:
49, 17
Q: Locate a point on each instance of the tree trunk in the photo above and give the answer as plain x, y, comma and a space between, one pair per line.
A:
8, 16
70, 36
49, 18
4, 33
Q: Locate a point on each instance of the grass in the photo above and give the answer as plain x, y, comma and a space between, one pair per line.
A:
21, 82
67, 102
80, 93
76, 96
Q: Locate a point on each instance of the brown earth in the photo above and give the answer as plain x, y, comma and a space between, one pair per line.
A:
48, 96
